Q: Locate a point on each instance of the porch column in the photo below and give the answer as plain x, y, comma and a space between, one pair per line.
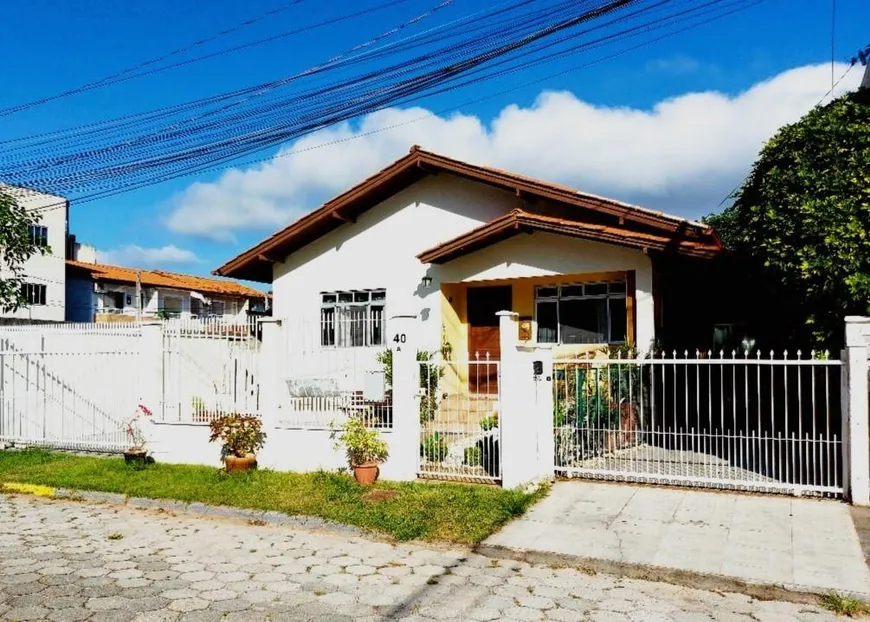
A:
525, 407
856, 453
405, 436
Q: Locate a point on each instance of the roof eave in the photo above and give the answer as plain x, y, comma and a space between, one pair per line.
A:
245, 265
515, 222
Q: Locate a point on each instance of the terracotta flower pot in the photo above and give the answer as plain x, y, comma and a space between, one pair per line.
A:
234, 464
366, 474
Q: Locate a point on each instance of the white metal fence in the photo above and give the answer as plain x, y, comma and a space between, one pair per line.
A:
68, 400
459, 427
754, 423
211, 368
325, 380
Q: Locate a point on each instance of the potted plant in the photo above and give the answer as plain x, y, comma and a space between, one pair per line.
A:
365, 450
137, 454
242, 436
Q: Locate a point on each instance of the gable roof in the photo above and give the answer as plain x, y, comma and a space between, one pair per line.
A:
256, 263
161, 278
518, 221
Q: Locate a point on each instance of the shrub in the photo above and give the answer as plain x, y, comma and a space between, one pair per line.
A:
489, 422
473, 456
434, 448
361, 444
241, 435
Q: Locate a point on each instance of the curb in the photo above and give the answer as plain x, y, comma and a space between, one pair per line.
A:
675, 576
258, 517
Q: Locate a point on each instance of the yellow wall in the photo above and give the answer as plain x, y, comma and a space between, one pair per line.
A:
454, 301
455, 334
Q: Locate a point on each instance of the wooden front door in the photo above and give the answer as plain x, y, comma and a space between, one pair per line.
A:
483, 334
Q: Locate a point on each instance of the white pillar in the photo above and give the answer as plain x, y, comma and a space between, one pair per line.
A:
272, 372
856, 443
525, 410
404, 439
151, 378
543, 412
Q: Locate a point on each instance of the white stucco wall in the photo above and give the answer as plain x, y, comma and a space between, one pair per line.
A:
380, 249
298, 450
48, 269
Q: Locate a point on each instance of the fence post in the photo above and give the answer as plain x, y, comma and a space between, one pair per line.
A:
405, 446
524, 410
543, 411
271, 370
151, 373
856, 442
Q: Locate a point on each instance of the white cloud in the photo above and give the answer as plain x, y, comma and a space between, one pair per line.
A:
684, 155
135, 256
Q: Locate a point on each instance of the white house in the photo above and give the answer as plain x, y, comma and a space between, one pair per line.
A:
44, 286
99, 292
455, 243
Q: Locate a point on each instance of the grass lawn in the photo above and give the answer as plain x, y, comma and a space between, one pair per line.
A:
454, 513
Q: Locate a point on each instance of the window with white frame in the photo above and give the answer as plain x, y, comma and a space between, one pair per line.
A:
353, 319
581, 313
33, 294
39, 235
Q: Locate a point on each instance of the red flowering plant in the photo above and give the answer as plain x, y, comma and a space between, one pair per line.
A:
133, 427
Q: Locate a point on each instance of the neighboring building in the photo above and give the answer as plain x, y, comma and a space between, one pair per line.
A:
44, 274
455, 243
101, 293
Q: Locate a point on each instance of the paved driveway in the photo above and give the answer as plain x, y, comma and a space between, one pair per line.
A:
63, 560
800, 544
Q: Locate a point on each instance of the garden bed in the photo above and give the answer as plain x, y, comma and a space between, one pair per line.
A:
452, 513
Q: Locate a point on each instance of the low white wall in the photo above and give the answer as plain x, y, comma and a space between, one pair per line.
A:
286, 449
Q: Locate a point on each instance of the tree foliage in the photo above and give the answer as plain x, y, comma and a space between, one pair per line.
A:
803, 218
16, 247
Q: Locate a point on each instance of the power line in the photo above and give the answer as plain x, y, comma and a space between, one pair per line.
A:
852, 63
833, 32
111, 79
452, 108
249, 120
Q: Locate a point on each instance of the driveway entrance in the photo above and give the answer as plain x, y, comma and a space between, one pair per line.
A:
800, 544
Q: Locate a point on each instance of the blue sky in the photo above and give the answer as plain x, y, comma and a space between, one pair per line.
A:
54, 45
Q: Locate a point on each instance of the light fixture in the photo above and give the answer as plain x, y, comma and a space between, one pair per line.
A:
426, 281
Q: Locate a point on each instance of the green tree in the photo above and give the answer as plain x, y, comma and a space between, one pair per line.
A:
801, 220
16, 247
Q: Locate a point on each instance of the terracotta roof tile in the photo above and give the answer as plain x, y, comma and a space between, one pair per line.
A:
256, 262
518, 221
162, 278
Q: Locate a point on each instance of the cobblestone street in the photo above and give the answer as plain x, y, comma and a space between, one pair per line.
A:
63, 560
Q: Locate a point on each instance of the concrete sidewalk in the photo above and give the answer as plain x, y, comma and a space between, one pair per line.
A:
797, 545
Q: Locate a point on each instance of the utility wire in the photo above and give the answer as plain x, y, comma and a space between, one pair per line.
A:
257, 118
120, 76
852, 63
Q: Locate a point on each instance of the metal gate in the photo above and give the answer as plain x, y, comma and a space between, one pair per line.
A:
211, 368
69, 386
459, 429
749, 423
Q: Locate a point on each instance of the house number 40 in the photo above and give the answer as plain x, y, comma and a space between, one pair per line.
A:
400, 338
